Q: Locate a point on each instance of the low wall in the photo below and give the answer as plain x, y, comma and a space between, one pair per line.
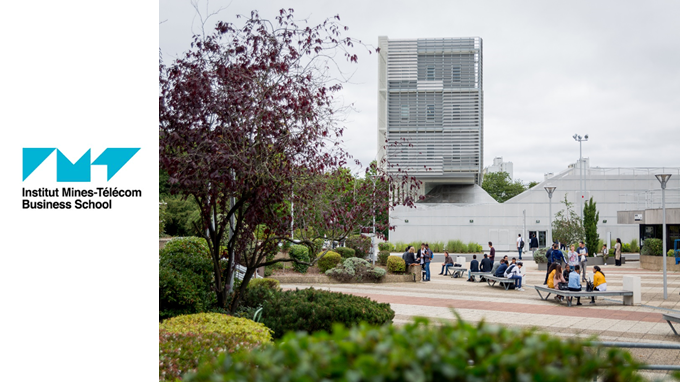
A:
323, 279
655, 263
162, 242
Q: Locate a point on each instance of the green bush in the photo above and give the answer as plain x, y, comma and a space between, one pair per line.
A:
264, 283
539, 256
474, 248
301, 253
345, 252
625, 248
330, 260
314, 309
396, 264
184, 341
386, 246
360, 244
356, 269
420, 351
185, 278
652, 247
634, 247
456, 246
382, 257
670, 253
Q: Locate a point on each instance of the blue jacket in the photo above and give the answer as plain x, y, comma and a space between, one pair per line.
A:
557, 256
574, 280
474, 266
500, 272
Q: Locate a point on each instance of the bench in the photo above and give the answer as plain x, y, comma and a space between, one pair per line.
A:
459, 271
480, 275
672, 317
504, 281
627, 294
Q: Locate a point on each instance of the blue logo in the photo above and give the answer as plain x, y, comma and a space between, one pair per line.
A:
113, 158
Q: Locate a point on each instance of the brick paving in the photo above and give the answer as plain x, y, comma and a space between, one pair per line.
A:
608, 319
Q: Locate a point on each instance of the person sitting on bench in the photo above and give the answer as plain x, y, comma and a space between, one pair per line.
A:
575, 282
448, 262
474, 267
500, 272
514, 271
599, 282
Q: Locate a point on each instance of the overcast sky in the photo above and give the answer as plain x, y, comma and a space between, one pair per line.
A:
609, 69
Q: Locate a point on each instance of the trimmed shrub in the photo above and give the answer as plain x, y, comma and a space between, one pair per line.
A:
670, 253
185, 277
385, 246
264, 283
356, 269
312, 309
345, 252
299, 252
539, 256
652, 247
396, 264
330, 260
184, 341
420, 351
382, 257
360, 244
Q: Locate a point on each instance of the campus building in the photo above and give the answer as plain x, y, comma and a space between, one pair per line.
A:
430, 109
500, 166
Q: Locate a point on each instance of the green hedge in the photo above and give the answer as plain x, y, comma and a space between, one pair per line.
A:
423, 352
652, 247
396, 264
382, 257
301, 253
314, 309
345, 252
385, 246
264, 283
185, 277
330, 260
453, 246
184, 341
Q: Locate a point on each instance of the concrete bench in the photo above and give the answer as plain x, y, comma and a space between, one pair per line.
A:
480, 275
456, 271
627, 295
674, 318
503, 281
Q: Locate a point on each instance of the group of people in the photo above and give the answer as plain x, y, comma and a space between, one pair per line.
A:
503, 268
423, 257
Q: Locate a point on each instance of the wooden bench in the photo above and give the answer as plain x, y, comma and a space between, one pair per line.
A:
672, 317
627, 295
504, 281
480, 275
460, 271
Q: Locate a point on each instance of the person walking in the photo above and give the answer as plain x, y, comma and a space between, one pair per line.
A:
599, 282
533, 243
520, 245
583, 253
617, 252
572, 256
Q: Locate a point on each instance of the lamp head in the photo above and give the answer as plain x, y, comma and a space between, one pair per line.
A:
663, 179
586, 137
550, 190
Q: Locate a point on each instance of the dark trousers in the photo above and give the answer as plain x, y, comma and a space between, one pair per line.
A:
547, 273
447, 268
617, 262
578, 299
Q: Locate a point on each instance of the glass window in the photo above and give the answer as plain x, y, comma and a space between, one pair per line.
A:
404, 112
430, 73
455, 75
430, 112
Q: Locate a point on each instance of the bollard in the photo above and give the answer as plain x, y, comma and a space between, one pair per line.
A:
632, 283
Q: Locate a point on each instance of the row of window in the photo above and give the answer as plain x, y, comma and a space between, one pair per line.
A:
455, 73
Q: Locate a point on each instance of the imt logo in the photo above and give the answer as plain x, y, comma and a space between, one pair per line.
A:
113, 158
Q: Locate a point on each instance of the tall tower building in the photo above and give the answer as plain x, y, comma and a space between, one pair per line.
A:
431, 109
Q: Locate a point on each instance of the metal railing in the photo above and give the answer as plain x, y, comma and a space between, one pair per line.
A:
642, 345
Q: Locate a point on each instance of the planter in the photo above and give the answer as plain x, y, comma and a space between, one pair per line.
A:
655, 263
599, 260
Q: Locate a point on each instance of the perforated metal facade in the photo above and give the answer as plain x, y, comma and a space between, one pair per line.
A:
431, 105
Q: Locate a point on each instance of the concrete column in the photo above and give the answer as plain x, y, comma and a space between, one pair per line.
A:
632, 283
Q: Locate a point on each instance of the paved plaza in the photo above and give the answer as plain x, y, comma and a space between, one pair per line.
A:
608, 319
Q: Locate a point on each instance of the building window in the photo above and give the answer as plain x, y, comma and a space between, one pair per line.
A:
455, 74
430, 73
455, 112
430, 112
404, 112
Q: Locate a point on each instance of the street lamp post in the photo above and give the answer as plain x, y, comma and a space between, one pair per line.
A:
663, 179
581, 181
550, 191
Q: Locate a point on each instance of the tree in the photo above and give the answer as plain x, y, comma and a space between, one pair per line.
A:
248, 128
567, 227
501, 187
531, 184
590, 218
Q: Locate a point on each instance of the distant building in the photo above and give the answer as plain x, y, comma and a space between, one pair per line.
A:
430, 98
500, 166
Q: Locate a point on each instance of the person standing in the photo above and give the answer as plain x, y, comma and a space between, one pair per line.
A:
403, 256
605, 254
617, 252
572, 256
410, 256
520, 245
427, 258
492, 252
533, 243
583, 253
548, 255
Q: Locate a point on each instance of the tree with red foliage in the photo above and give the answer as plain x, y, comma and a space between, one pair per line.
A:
247, 126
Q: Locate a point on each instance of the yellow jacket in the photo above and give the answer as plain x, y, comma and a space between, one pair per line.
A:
551, 280
598, 279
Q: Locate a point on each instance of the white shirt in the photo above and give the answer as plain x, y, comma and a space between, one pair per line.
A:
514, 271
519, 239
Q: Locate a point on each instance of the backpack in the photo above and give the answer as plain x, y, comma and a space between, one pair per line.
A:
507, 271
521, 244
